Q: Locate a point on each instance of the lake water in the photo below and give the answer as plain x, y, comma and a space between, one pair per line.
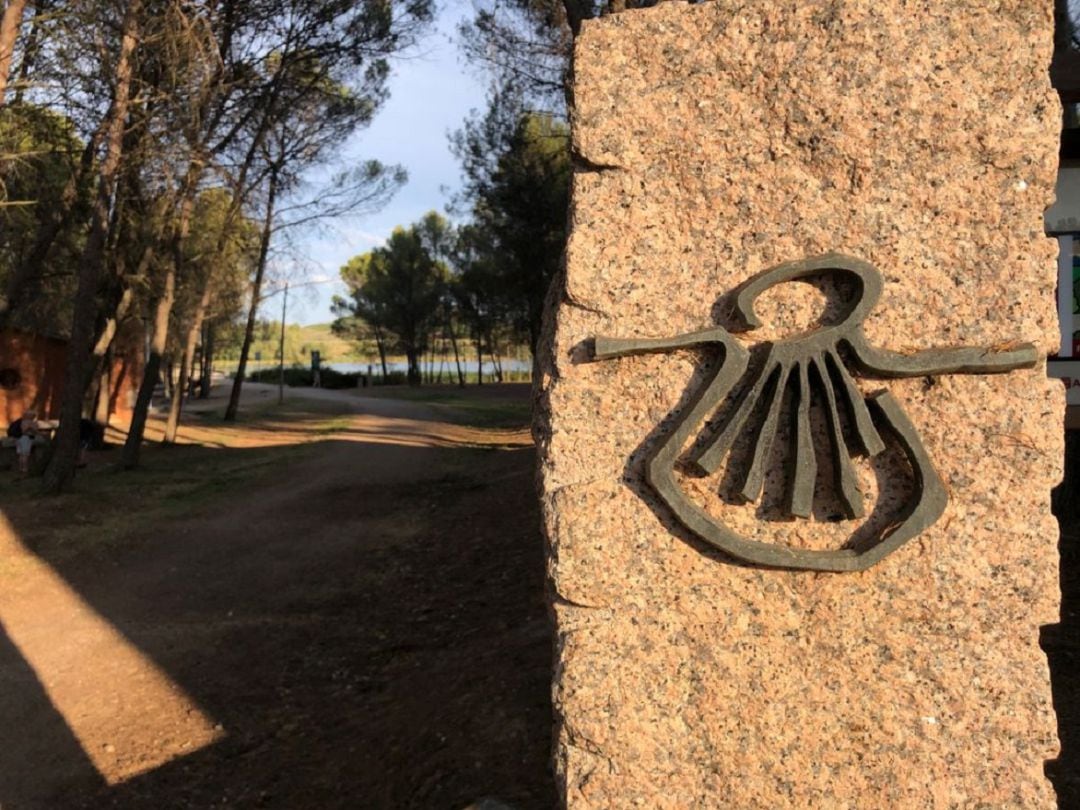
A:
469, 367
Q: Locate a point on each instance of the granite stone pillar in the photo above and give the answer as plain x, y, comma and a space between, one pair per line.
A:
715, 141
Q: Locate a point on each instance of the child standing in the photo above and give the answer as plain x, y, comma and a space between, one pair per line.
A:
24, 430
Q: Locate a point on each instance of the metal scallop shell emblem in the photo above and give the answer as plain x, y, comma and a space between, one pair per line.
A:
821, 362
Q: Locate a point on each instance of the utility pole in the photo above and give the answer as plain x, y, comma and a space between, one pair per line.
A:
281, 338
281, 348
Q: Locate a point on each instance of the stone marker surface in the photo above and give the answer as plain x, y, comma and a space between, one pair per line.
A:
713, 142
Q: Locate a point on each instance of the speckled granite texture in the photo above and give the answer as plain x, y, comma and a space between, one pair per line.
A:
715, 141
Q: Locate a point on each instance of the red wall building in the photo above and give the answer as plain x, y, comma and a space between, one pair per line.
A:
32, 374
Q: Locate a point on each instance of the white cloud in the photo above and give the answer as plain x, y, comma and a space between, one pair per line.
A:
366, 237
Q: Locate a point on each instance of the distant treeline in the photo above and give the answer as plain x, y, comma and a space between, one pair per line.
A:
152, 157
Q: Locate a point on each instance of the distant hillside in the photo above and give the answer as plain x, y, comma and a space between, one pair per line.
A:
300, 341
318, 336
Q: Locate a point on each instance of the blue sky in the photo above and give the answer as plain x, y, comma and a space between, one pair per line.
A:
431, 93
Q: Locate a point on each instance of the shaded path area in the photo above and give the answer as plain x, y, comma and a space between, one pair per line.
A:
361, 624
1061, 641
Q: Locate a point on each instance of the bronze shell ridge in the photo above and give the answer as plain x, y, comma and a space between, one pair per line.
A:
822, 361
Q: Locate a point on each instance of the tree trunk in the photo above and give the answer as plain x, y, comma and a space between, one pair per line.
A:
577, 11
412, 358
61, 467
186, 363
256, 291
104, 393
119, 292
496, 364
457, 357
50, 223
479, 362
166, 377
102, 356
30, 53
9, 32
162, 311
380, 344
207, 362
107, 334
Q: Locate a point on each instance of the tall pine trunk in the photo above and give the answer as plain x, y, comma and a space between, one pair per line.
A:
9, 32
151, 372
457, 357
31, 49
77, 371
167, 376
496, 363
380, 344
207, 362
103, 396
51, 221
191, 341
412, 357
256, 292
162, 311
102, 358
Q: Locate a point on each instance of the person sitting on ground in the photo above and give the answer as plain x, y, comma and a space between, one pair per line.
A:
24, 430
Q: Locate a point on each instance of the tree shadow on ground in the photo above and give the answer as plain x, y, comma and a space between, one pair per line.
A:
379, 644
1062, 641
35, 739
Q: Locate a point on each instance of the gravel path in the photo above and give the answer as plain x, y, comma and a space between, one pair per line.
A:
364, 629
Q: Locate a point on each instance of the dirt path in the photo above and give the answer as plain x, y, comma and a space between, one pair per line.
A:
353, 399
363, 627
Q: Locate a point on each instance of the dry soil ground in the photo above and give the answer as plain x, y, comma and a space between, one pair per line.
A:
336, 603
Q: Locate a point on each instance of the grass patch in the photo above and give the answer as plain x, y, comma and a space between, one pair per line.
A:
108, 506
485, 413
258, 411
507, 405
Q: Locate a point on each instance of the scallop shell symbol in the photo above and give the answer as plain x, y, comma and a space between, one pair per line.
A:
792, 369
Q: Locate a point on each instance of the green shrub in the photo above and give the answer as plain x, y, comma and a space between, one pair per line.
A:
298, 376
336, 379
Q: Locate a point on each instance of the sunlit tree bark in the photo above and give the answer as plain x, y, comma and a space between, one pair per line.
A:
61, 467
9, 32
